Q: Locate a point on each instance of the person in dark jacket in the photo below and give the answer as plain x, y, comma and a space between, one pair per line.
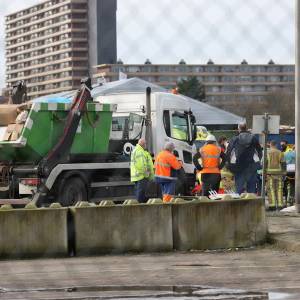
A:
244, 155
222, 141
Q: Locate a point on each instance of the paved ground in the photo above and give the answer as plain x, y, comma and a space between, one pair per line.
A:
264, 269
285, 231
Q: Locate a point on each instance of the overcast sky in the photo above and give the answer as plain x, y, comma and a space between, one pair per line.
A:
167, 30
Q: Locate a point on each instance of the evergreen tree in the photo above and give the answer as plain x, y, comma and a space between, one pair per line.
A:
192, 87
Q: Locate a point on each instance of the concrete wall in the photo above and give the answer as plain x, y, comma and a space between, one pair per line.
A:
34, 232
138, 228
116, 229
219, 224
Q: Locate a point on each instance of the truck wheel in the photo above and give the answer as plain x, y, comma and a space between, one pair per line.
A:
72, 191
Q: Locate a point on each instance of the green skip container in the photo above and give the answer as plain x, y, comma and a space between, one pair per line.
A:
44, 125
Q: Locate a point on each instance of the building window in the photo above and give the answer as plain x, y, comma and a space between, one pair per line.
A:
165, 79
228, 69
229, 89
182, 68
273, 69
211, 79
165, 68
274, 78
288, 69
147, 68
259, 78
229, 79
133, 69
246, 88
211, 68
179, 78
273, 88
245, 68
245, 78
198, 69
259, 88
212, 89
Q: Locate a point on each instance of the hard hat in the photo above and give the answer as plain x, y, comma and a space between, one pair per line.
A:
211, 138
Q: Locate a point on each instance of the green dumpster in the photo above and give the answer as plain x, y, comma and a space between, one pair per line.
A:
44, 126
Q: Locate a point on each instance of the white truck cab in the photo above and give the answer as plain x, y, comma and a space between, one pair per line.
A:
171, 121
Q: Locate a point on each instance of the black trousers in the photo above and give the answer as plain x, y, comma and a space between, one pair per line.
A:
210, 182
140, 190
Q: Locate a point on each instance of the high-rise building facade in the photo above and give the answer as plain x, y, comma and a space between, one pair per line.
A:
49, 45
223, 82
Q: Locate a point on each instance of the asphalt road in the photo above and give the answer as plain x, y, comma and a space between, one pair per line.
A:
261, 269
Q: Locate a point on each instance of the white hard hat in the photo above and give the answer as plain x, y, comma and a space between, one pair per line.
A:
211, 138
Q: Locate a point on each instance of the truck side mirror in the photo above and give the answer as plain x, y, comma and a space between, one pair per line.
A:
194, 132
193, 119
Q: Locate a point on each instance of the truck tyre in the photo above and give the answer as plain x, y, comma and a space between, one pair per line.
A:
72, 191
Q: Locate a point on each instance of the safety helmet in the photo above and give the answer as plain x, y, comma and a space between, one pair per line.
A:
211, 138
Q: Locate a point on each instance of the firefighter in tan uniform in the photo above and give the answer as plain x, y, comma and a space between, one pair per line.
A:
275, 172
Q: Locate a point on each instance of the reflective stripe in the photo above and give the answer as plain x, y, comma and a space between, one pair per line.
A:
165, 162
162, 164
210, 156
138, 155
141, 164
275, 193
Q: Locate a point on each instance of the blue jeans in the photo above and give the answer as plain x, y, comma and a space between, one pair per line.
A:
167, 185
140, 190
246, 180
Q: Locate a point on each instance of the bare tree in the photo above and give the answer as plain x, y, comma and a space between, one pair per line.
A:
278, 102
282, 102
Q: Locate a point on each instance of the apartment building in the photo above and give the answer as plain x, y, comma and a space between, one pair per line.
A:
223, 82
49, 45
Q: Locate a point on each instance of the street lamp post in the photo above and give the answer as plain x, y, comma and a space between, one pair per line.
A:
297, 106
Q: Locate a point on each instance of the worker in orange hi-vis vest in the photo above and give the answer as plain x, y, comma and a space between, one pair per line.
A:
212, 160
165, 165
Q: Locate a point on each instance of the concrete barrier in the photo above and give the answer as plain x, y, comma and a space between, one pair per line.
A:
219, 224
33, 232
122, 228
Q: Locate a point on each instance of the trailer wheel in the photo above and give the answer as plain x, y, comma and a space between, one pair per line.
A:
72, 191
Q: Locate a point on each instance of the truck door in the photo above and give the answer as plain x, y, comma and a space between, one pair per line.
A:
178, 129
